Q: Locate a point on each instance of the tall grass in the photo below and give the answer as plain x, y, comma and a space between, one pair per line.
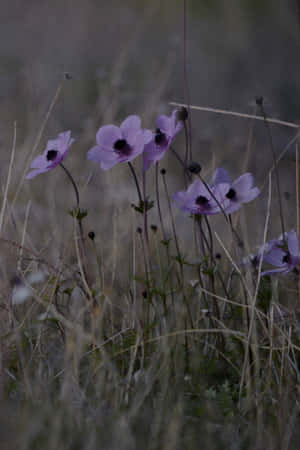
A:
142, 327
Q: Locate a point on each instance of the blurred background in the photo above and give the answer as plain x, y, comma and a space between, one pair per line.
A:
125, 57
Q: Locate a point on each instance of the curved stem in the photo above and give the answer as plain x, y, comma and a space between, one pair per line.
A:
72, 182
158, 203
136, 182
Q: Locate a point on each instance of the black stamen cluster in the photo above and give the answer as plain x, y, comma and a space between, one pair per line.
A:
286, 258
159, 136
201, 200
51, 155
121, 146
231, 194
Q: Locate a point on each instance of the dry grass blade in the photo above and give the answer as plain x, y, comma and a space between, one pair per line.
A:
252, 317
237, 114
12, 157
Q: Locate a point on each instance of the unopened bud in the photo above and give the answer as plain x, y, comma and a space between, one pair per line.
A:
182, 114
91, 235
194, 167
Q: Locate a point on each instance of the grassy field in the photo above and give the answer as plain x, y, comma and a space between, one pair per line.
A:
133, 316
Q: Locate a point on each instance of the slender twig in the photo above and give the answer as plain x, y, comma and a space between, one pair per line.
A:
237, 114
254, 299
145, 213
177, 248
260, 104
186, 87
8, 176
136, 182
82, 266
72, 182
158, 203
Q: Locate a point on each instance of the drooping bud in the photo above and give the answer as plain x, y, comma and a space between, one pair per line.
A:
182, 114
194, 167
91, 235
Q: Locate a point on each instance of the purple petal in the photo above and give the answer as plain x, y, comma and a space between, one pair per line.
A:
293, 242
179, 124
252, 194
107, 136
39, 162
148, 136
221, 176
164, 123
136, 141
35, 172
131, 123
275, 256
243, 184
233, 207
105, 158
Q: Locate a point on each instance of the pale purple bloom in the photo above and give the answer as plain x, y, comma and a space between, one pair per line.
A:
240, 191
282, 253
167, 128
119, 144
55, 153
198, 199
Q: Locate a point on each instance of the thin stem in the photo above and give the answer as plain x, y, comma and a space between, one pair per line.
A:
145, 213
181, 162
237, 114
177, 249
158, 202
186, 156
186, 87
260, 104
79, 221
136, 182
162, 226
72, 182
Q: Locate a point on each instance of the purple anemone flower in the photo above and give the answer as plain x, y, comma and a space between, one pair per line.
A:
55, 153
167, 128
198, 199
282, 253
119, 144
240, 191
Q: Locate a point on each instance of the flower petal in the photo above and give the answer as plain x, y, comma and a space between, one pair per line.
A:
102, 156
166, 125
39, 162
131, 123
221, 176
293, 242
35, 172
107, 136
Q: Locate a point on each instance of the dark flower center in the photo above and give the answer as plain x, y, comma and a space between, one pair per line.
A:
122, 148
160, 137
51, 155
231, 194
201, 200
286, 258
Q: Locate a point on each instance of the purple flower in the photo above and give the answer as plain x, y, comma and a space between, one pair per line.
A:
119, 144
55, 153
167, 128
240, 191
198, 199
282, 253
